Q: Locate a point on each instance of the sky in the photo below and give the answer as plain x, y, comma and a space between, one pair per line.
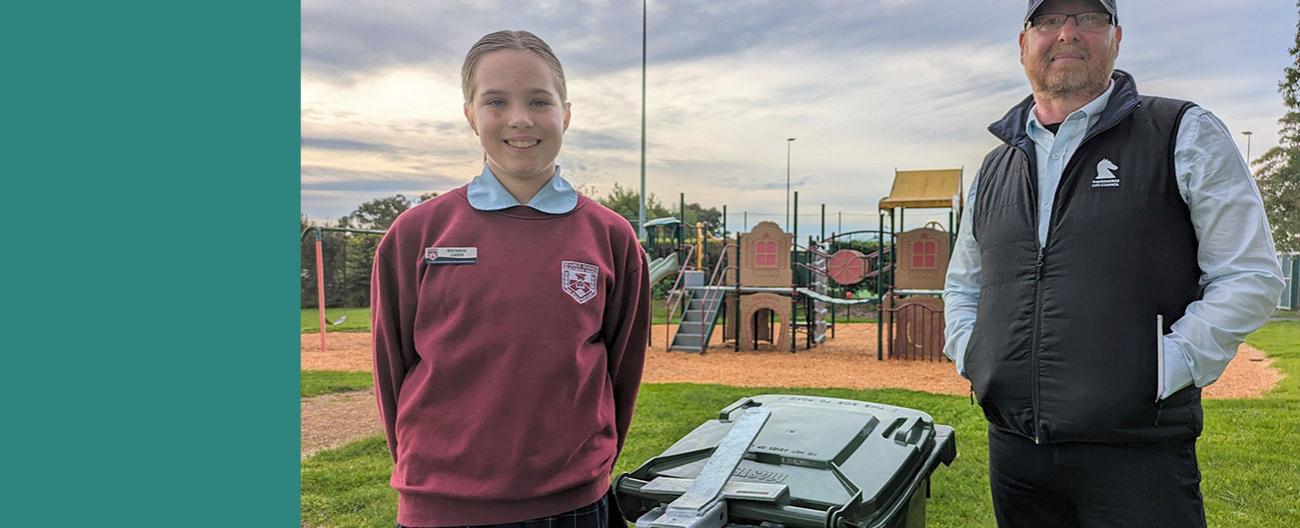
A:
865, 87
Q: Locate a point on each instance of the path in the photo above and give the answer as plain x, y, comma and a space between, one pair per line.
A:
849, 361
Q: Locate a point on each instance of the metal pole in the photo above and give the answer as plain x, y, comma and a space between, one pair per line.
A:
795, 238
794, 308
893, 314
320, 289
699, 245
893, 251
788, 142
739, 320
681, 225
641, 211
880, 295
724, 224
808, 324
823, 234
794, 252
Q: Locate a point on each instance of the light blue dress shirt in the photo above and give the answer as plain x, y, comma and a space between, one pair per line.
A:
1240, 270
486, 193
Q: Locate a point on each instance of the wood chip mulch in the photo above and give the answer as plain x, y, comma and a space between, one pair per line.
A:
848, 361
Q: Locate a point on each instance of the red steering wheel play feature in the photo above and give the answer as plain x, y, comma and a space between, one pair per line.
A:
847, 266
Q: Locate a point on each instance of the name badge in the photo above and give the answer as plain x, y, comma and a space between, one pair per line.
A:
450, 255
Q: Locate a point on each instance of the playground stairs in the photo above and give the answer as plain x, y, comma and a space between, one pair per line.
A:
702, 297
698, 320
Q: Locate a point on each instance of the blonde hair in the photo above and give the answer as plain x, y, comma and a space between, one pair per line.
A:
509, 40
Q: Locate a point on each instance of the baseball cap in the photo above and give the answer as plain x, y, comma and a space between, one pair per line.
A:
1108, 4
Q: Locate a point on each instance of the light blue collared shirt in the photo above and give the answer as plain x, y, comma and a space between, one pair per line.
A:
1241, 275
486, 193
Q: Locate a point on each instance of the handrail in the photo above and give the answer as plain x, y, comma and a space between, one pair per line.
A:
318, 229
873, 273
710, 295
850, 233
814, 251
812, 269
668, 300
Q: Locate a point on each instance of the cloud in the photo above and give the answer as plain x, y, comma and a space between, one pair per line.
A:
601, 140
865, 86
345, 144
322, 178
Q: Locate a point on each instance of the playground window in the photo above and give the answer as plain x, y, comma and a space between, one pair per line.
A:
923, 254
765, 254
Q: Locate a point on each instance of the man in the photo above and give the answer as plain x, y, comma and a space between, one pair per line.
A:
1113, 254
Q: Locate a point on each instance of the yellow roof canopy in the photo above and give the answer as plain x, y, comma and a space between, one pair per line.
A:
924, 189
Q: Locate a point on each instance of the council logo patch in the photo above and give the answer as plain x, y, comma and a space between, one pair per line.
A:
579, 280
1105, 176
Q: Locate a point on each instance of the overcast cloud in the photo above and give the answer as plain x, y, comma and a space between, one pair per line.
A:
865, 86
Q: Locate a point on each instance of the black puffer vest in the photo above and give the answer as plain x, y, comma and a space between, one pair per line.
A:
1065, 344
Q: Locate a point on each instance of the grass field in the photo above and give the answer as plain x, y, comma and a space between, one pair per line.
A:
318, 382
358, 320
1248, 454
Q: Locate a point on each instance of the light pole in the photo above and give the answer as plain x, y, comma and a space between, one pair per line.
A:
788, 142
641, 208
1247, 133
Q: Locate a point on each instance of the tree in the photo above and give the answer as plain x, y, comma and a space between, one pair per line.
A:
1279, 168
347, 257
711, 217
376, 214
628, 203
358, 249
333, 255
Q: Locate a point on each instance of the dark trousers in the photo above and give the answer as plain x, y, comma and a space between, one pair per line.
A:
1086, 485
594, 515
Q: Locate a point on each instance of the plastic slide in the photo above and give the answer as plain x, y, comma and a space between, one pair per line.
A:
662, 267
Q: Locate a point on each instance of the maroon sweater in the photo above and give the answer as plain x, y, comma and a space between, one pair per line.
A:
506, 386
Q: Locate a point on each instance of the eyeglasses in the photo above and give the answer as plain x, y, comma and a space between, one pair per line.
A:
1052, 23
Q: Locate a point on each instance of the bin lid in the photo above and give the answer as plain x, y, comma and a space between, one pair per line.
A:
843, 462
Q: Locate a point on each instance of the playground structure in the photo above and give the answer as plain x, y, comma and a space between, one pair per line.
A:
911, 310
320, 268
1290, 262
765, 277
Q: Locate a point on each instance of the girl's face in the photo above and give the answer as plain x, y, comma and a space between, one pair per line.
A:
518, 115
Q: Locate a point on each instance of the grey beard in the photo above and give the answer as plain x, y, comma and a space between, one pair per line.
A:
1071, 84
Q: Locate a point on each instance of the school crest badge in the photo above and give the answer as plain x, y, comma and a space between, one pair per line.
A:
579, 280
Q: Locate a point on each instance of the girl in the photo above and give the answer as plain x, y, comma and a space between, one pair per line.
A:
510, 319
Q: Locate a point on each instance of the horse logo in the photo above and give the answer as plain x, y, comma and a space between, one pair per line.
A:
1105, 178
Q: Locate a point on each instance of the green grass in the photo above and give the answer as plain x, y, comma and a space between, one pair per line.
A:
349, 486
1247, 454
358, 320
659, 312
318, 382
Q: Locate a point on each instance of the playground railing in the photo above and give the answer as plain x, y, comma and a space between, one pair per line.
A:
714, 294
675, 294
813, 250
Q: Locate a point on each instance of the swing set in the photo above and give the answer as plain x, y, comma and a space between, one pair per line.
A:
320, 271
